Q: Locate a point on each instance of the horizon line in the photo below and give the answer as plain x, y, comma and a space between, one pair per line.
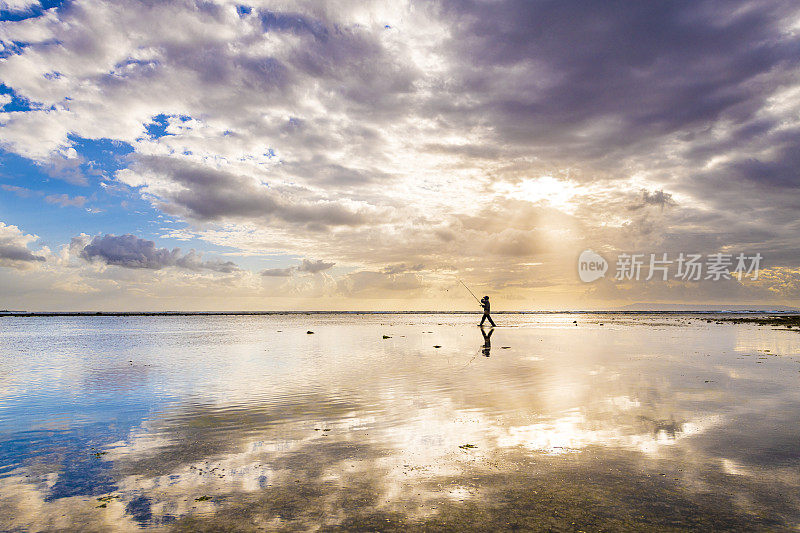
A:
10, 313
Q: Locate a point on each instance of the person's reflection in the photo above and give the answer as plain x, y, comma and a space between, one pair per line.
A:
487, 341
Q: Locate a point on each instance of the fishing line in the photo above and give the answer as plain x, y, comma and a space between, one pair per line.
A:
472, 293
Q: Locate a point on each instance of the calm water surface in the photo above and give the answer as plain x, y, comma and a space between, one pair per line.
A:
250, 423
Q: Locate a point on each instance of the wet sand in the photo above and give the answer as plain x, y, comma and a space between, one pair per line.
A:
590, 422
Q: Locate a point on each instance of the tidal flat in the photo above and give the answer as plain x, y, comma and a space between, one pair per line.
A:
382, 422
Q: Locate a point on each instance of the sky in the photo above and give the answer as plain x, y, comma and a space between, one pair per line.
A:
368, 155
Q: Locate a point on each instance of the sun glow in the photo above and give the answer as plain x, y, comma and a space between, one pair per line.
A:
544, 189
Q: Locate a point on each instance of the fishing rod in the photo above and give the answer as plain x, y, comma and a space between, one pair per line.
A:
472, 293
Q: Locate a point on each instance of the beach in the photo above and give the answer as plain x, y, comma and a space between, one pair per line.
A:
389, 422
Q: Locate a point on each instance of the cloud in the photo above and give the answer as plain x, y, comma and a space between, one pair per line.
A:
210, 194
402, 268
306, 265
65, 165
129, 251
22, 192
370, 284
470, 135
313, 267
17, 5
278, 272
535, 70
193, 261
659, 198
14, 250
64, 200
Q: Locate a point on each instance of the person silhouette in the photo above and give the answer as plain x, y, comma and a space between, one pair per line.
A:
485, 305
487, 342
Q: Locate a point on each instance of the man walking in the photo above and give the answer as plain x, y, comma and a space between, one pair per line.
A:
485, 305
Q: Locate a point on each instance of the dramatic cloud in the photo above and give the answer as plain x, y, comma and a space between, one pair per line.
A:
130, 251
14, 250
209, 194
597, 79
412, 142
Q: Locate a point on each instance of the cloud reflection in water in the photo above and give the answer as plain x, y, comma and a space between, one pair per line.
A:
645, 424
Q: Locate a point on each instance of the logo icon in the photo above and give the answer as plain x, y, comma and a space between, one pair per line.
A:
591, 266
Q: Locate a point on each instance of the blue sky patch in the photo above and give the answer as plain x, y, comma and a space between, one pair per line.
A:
35, 10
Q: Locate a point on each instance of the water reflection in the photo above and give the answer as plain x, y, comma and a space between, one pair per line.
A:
487, 342
205, 422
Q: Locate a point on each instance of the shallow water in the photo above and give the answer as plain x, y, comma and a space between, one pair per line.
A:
634, 422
